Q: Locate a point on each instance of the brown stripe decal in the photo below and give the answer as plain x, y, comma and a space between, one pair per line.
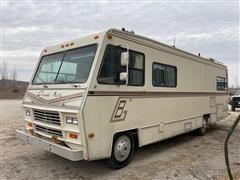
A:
66, 97
154, 94
37, 98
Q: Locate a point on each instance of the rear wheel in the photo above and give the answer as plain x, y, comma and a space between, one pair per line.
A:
122, 151
233, 108
203, 129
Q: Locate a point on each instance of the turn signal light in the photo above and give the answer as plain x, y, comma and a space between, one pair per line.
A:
73, 136
30, 131
30, 124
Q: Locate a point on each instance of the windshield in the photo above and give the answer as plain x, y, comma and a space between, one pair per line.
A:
237, 93
72, 66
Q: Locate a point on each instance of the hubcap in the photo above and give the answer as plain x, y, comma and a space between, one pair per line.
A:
122, 148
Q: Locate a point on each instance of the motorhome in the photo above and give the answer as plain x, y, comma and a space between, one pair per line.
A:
104, 95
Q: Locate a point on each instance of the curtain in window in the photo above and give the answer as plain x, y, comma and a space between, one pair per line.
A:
170, 76
164, 75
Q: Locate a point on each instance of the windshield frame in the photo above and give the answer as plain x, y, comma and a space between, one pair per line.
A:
64, 53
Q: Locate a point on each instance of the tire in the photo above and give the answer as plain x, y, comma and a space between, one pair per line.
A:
233, 108
122, 151
203, 129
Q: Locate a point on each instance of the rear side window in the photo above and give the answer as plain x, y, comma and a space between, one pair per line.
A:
221, 84
111, 67
164, 75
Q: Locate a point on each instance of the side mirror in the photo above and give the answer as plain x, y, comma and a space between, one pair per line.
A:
123, 76
124, 59
124, 62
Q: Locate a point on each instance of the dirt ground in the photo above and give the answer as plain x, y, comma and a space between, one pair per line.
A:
182, 157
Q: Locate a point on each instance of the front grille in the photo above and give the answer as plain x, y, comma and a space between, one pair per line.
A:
49, 131
49, 117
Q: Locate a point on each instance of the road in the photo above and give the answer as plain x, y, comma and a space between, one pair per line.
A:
183, 157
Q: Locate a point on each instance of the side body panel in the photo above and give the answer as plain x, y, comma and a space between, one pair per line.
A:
155, 112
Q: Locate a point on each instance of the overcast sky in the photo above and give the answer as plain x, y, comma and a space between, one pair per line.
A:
210, 28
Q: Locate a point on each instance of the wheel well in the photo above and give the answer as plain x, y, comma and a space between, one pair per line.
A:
133, 132
206, 117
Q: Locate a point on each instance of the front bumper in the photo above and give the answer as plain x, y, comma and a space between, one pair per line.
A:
237, 105
73, 155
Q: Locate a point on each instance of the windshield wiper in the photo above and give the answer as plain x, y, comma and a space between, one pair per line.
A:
44, 84
69, 82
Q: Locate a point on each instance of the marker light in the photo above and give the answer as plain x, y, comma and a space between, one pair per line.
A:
109, 36
28, 113
91, 135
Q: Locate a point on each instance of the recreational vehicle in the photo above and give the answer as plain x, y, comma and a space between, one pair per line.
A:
104, 95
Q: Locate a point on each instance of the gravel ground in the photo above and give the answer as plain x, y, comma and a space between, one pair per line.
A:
182, 157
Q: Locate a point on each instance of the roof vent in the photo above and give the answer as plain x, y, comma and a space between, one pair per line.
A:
131, 32
213, 60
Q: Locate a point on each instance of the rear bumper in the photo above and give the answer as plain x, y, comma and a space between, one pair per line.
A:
73, 155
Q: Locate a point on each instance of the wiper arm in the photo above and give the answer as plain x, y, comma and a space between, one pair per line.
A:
44, 84
69, 82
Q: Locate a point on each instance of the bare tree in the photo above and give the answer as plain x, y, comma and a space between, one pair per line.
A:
237, 82
4, 70
0, 70
13, 74
4, 75
13, 78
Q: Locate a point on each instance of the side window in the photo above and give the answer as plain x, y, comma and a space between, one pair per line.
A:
164, 75
111, 67
221, 84
136, 69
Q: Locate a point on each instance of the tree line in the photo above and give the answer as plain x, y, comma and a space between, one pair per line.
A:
6, 73
8, 77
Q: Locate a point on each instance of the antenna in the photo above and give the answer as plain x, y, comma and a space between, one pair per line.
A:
175, 38
174, 41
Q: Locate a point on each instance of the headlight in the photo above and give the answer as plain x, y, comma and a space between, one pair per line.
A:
28, 113
71, 120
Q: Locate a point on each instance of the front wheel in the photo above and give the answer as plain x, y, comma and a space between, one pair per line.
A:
122, 151
233, 108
